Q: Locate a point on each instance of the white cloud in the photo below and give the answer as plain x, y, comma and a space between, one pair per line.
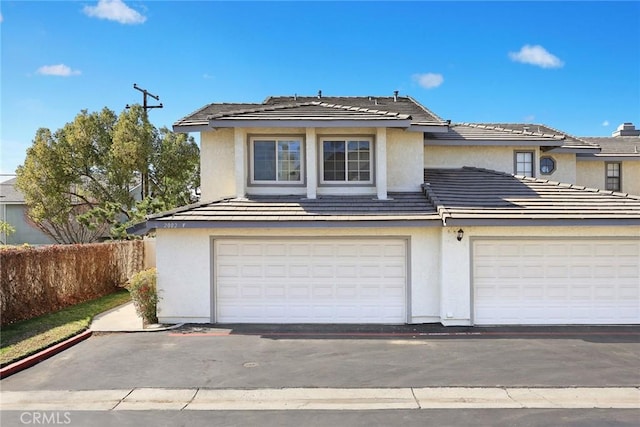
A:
428, 80
114, 10
207, 76
605, 123
530, 118
57, 70
536, 55
1, 18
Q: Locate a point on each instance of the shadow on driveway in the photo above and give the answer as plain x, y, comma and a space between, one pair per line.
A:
604, 334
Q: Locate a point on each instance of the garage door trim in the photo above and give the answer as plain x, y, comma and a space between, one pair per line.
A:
405, 238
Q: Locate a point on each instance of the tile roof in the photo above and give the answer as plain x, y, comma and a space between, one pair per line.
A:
9, 193
626, 145
400, 104
464, 196
480, 196
511, 132
314, 108
399, 207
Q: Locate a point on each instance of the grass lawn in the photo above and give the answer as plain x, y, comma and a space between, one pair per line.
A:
22, 339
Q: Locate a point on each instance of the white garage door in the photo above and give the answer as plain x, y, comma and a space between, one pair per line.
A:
535, 282
310, 280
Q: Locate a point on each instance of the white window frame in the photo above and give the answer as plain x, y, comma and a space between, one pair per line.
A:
276, 140
533, 162
346, 140
607, 176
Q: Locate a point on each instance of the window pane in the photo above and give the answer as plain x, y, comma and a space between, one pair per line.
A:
359, 165
347, 160
524, 164
334, 158
288, 160
613, 177
264, 160
547, 165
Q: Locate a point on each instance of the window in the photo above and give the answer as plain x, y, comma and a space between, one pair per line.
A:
613, 175
346, 161
276, 160
547, 165
524, 163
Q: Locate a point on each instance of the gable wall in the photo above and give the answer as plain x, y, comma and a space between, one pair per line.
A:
591, 173
497, 158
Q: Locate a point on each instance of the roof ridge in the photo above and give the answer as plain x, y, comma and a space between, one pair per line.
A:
360, 109
559, 136
258, 108
437, 204
425, 109
569, 135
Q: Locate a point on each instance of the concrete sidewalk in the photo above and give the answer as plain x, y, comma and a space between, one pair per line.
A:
321, 399
124, 319
120, 319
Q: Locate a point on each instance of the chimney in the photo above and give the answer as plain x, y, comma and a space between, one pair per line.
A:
626, 129
395, 96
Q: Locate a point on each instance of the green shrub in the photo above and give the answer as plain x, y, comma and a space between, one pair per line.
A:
142, 287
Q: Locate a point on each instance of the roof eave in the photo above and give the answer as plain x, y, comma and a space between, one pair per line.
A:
191, 128
565, 222
179, 225
608, 157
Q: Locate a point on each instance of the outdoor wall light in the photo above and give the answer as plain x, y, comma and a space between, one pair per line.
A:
460, 234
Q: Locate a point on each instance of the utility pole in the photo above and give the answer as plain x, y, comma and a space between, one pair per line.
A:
145, 174
146, 93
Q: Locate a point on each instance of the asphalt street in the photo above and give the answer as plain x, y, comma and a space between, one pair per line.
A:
251, 358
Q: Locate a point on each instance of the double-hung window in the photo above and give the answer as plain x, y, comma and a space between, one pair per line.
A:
523, 162
346, 161
613, 176
276, 160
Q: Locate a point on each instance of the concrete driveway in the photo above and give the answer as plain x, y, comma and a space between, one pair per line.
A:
408, 366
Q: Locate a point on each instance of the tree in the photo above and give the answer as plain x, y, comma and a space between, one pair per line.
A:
101, 172
6, 229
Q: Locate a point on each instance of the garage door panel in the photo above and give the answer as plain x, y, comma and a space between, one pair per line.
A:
310, 281
577, 282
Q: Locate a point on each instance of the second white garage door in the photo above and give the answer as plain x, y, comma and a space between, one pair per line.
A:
555, 281
310, 280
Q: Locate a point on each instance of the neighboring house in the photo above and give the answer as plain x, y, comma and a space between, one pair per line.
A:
13, 210
375, 210
617, 166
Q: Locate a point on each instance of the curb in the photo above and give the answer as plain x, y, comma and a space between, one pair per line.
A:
34, 359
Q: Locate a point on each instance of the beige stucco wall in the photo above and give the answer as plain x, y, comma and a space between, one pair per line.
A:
217, 170
591, 173
218, 166
185, 275
456, 285
498, 158
405, 160
495, 158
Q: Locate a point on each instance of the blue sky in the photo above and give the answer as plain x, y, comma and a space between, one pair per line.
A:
574, 66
